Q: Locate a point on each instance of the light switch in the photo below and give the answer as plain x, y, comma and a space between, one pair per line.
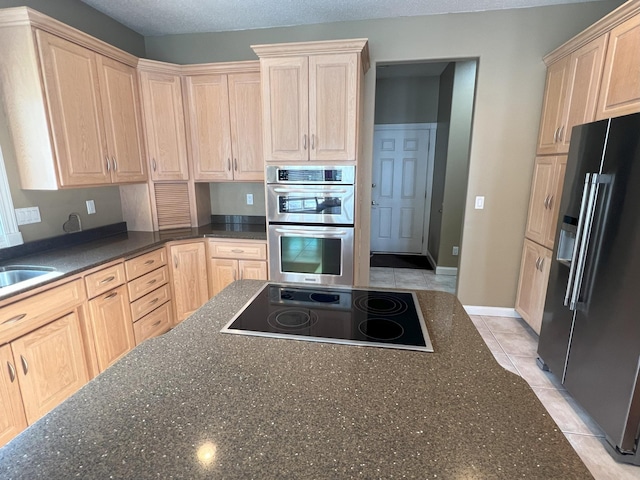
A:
25, 216
479, 203
249, 198
91, 207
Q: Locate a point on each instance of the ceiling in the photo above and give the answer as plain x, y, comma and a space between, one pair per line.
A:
166, 17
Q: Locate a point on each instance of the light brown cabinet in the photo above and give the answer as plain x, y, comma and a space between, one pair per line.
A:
231, 260
544, 204
12, 417
189, 274
571, 94
620, 93
532, 285
164, 125
225, 126
310, 100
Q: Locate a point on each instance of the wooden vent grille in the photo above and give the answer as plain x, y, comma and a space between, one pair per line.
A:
172, 205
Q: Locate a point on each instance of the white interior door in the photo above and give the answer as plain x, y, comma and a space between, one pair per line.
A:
401, 183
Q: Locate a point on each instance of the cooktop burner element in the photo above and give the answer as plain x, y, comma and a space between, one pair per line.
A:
388, 319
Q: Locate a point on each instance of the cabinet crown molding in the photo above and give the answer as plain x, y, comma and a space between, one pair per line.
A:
354, 45
605, 24
27, 17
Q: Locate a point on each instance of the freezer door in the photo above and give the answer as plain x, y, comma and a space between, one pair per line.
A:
602, 367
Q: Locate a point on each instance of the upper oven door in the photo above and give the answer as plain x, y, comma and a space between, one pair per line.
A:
310, 204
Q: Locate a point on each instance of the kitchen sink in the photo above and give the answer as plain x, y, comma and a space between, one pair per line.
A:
12, 275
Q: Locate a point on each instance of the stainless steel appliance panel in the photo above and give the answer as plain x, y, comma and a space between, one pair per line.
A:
315, 204
311, 174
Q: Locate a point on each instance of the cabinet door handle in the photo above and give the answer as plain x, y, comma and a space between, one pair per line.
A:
157, 323
304, 141
237, 250
25, 365
151, 282
313, 141
175, 261
561, 134
111, 295
546, 202
149, 262
153, 164
555, 135
538, 263
12, 372
550, 201
235, 164
106, 158
115, 163
541, 263
108, 279
154, 301
14, 319
229, 164
234, 276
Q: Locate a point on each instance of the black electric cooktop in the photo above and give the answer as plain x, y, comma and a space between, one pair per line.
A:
379, 318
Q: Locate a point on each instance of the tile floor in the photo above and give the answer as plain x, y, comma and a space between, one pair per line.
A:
514, 344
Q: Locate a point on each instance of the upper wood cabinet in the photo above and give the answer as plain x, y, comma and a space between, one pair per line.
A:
74, 121
311, 99
164, 124
225, 123
620, 93
188, 264
571, 95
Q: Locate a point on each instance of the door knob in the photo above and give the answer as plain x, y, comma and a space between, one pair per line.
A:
373, 185
373, 202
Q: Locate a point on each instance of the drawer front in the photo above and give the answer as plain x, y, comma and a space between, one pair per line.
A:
148, 283
104, 280
239, 250
22, 317
156, 323
136, 267
150, 302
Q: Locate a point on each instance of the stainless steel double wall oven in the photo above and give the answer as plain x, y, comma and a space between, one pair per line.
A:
310, 212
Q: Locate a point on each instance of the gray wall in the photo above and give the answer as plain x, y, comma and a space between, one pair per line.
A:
55, 206
231, 198
406, 100
510, 45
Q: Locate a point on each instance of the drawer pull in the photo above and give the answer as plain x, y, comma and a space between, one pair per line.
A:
108, 279
157, 323
15, 319
12, 372
154, 301
149, 262
237, 250
25, 365
151, 282
111, 295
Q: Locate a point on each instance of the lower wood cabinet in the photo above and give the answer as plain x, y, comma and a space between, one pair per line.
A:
189, 274
232, 260
532, 285
12, 417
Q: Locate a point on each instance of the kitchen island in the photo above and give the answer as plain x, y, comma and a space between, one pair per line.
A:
196, 403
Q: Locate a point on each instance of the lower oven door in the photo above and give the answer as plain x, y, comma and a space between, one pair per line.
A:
311, 254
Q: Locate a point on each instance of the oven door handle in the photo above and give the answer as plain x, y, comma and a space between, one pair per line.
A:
310, 190
326, 232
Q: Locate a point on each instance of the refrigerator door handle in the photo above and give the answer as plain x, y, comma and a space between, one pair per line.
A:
630, 432
574, 254
584, 241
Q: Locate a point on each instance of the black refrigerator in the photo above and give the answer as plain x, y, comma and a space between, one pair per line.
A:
590, 334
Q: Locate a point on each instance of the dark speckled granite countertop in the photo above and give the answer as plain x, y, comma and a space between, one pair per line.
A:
196, 403
69, 261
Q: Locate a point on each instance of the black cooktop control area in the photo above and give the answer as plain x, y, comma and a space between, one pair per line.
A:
380, 318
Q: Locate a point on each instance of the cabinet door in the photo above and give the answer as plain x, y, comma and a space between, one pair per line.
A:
532, 285
209, 128
224, 271
583, 85
189, 272
50, 365
285, 107
252, 270
333, 104
553, 209
552, 107
245, 113
122, 120
111, 326
620, 92
12, 418
71, 84
164, 125
541, 191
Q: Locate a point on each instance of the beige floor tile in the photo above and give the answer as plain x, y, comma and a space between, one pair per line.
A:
508, 325
564, 410
505, 362
478, 321
490, 340
601, 465
520, 344
529, 370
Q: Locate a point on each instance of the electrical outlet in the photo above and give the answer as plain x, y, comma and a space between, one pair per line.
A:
249, 198
479, 203
25, 216
454, 251
91, 207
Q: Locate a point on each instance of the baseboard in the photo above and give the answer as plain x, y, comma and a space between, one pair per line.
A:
452, 271
492, 311
431, 260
